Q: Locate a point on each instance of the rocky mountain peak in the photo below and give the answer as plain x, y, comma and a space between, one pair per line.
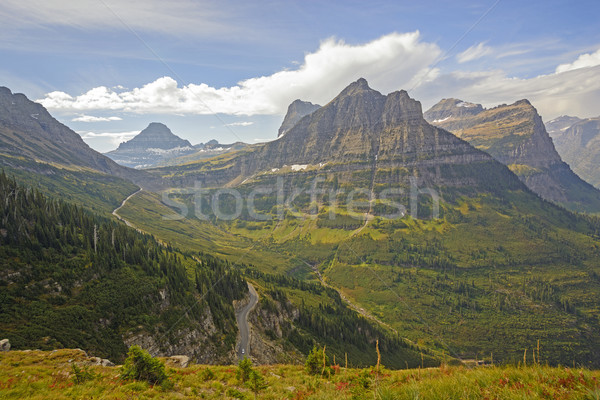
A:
155, 136
296, 111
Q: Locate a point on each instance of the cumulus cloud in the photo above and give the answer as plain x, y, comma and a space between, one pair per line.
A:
91, 118
390, 62
473, 53
583, 61
574, 92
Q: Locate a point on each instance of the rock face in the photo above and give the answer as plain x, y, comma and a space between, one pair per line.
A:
28, 130
296, 111
363, 138
579, 145
515, 135
151, 146
4, 345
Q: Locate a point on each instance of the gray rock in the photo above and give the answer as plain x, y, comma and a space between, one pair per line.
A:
179, 361
4, 345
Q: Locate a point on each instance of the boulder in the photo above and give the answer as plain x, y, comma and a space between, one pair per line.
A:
178, 361
4, 345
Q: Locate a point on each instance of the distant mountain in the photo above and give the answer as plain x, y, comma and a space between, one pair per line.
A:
28, 130
558, 125
579, 145
296, 111
515, 135
42, 152
154, 144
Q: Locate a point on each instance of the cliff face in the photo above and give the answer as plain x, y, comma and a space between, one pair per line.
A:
515, 135
579, 145
296, 111
153, 145
359, 125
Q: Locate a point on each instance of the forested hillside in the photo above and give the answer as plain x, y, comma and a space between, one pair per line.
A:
72, 279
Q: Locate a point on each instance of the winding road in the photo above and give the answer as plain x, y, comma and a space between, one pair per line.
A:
115, 211
241, 316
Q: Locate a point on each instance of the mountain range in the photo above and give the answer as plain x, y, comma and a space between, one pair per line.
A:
578, 142
516, 136
368, 224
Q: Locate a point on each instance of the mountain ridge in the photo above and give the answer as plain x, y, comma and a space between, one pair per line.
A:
516, 136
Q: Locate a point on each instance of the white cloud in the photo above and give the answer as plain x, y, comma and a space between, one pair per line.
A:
114, 138
575, 92
390, 62
245, 123
583, 61
473, 53
91, 118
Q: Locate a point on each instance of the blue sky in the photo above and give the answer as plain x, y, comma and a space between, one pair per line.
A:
228, 69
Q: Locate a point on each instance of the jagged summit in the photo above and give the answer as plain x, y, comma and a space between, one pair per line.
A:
295, 112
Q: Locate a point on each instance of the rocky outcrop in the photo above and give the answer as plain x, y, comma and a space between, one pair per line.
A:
4, 345
177, 361
151, 146
516, 136
295, 112
268, 330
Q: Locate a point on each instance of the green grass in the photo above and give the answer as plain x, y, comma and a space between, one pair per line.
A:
49, 375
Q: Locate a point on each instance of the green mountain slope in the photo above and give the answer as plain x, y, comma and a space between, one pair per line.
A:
515, 135
71, 279
496, 270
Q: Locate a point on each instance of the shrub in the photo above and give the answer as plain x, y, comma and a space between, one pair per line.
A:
314, 363
256, 383
81, 375
141, 366
207, 375
244, 370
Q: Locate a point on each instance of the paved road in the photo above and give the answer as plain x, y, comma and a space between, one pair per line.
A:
243, 348
116, 210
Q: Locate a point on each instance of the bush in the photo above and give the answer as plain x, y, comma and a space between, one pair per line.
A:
81, 375
207, 375
244, 370
256, 383
314, 363
141, 366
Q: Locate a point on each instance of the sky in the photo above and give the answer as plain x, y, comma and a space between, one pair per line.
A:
227, 70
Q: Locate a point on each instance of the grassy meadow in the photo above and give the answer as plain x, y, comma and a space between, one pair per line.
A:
50, 375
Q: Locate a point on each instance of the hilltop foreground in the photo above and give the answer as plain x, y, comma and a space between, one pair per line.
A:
49, 375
